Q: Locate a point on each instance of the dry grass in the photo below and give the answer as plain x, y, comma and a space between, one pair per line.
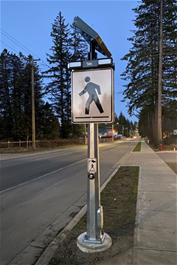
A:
137, 147
119, 202
173, 166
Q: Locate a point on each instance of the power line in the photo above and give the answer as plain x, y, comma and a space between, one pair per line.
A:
20, 44
15, 41
11, 47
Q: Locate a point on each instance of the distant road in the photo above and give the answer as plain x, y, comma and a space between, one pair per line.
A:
21, 169
38, 189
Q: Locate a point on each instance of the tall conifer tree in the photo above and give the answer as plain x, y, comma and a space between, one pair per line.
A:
15, 100
67, 46
59, 87
142, 68
79, 52
5, 95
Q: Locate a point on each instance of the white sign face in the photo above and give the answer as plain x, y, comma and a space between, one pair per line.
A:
92, 96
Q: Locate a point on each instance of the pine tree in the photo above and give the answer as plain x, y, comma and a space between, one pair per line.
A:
170, 67
79, 52
79, 47
142, 68
49, 126
67, 46
59, 87
125, 126
27, 103
5, 96
15, 99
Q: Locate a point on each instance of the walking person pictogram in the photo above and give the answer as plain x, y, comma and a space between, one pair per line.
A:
92, 89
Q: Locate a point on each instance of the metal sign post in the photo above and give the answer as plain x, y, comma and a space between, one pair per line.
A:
88, 107
94, 239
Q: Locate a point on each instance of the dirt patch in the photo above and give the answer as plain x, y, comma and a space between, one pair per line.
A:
173, 166
119, 202
164, 147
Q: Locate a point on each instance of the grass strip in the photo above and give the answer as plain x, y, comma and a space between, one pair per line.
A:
173, 166
119, 201
137, 147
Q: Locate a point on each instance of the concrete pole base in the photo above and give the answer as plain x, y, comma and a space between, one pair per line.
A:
92, 246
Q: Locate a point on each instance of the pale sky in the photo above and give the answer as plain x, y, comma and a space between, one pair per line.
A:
26, 26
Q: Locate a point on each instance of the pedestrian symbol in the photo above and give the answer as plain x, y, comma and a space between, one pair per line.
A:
92, 95
92, 165
92, 89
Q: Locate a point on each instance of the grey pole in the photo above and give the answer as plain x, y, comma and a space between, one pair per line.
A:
93, 196
94, 217
94, 240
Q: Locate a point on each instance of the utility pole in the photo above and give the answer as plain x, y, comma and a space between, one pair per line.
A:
159, 98
33, 105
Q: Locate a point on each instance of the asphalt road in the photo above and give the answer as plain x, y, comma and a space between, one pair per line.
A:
38, 189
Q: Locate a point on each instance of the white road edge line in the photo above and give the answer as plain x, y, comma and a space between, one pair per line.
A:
33, 180
26, 155
52, 172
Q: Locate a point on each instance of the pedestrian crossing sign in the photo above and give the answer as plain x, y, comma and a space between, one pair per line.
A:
92, 95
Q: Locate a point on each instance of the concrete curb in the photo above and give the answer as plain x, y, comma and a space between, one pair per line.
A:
52, 247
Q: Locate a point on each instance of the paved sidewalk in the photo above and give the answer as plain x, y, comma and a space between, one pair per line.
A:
155, 241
